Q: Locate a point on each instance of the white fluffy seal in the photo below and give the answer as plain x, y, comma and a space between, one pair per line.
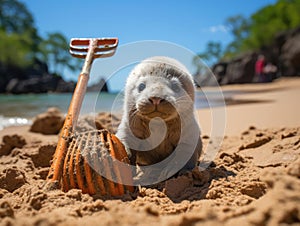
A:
158, 114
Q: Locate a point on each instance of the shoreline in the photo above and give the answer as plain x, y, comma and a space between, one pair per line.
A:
245, 105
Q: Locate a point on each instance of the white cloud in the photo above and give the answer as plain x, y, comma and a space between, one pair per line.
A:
218, 28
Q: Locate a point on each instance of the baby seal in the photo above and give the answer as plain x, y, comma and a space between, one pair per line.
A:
158, 115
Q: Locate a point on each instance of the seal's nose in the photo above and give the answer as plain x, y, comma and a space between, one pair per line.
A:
156, 100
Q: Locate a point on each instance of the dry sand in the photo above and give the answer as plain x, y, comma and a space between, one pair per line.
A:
253, 180
271, 105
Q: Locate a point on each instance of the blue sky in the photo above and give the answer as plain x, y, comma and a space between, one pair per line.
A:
189, 23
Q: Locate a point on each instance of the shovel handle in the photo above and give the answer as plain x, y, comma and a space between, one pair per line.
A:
56, 167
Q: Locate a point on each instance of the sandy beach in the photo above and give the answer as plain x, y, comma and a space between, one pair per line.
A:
268, 105
254, 178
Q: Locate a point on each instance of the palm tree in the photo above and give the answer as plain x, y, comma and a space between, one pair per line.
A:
55, 52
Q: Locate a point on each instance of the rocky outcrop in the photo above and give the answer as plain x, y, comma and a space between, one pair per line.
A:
240, 70
43, 84
290, 54
8, 72
99, 86
219, 70
34, 79
283, 52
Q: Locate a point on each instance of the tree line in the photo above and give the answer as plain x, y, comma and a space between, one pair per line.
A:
21, 45
255, 32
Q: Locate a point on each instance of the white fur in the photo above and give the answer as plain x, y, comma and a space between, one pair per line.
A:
159, 73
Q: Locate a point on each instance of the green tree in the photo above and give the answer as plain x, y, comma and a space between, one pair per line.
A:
54, 51
15, 50
14, 17
19, 38
239, 28
257, 31
270, 20
20, 43
213, 52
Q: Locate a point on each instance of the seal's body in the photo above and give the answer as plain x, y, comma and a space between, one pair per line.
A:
158, 114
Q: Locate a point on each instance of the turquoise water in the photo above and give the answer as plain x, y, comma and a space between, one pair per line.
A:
29, 105
20, 109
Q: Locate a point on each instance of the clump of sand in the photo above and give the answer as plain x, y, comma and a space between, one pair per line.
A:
49, 122
254, 180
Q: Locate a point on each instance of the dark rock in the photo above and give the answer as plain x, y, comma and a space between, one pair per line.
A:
36, 84
9, 72
219, 70
99, 86
49, 122
38, 68
241, 69
283, 52
205, 78
290, 56
34, 79
12, 84
31, 85
65, 87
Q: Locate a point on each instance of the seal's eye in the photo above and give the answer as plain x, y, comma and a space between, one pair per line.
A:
141, 87
175, 86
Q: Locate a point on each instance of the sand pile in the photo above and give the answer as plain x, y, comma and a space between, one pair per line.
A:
254, 180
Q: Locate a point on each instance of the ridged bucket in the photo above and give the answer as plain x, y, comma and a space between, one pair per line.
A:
89, 164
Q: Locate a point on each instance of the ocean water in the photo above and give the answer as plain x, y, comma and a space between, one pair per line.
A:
21, 109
